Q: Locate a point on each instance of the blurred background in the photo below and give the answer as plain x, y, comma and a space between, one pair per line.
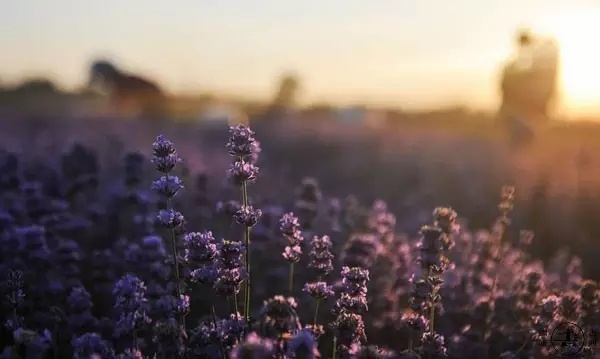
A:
421, 103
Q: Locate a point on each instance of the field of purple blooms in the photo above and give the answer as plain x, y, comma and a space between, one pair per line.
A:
135, 252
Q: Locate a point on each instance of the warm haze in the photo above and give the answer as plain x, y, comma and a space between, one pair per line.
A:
402, 53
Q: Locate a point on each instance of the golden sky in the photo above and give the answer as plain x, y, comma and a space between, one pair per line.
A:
405, 53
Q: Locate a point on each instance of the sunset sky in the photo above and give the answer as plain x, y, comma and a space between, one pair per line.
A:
402, 52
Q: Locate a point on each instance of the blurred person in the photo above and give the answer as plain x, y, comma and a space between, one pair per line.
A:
528, 88
128, 93
285, 99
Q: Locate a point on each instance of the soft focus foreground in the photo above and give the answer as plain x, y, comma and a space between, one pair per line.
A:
215, 245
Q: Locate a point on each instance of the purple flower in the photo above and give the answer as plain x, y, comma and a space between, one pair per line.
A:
200, 247
229, 281
131, 305
164, 155
247, 216
418, 324
303, 345
354, 280
207, 273
169, 218
420, 295
14, 298
80, 318
243, 172
320, 255
228, 208
241, 141
169, 338
316, 330
432, 346
167, 186
292, 254
445, 219
349, 330
381, 221
256, 150
169, 306
230, 273
230, 253
318, 290
131, 354
371, 351
431, 247
290, 228
90, 345
254, 347
278, 316
352, 303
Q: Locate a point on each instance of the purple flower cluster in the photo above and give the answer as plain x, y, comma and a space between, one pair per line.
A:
290, 228
96, 269
230, 271
349, 308
201, 249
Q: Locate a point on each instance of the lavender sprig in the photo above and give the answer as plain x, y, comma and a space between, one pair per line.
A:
321, 262
242, 146
165, 157
290, 228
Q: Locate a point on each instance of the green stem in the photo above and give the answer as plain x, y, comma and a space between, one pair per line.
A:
247, 261
334, 351
410, 342
316, 313
291, 280
235, 304
499, 240
432, 311
317, 308
175, 260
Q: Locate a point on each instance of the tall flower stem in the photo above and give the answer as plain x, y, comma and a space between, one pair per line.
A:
503, 221
247, 255
334, 350
432, 310
316, 312
175, 256
317, 308
291, 280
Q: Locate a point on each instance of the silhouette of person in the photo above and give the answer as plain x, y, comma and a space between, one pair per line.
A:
528, 87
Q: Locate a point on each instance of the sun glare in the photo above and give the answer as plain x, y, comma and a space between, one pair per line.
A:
575, 32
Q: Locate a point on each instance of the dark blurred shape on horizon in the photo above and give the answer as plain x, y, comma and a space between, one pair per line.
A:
128, 93
285, 98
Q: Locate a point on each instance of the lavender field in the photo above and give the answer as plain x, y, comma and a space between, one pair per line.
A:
297, 239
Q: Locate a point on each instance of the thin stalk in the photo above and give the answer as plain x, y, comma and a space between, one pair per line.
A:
410, 342
334, 351
316, 312
235, 304
432, 311
499, 238
175, 260
247, 255
291, 280
317, 308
